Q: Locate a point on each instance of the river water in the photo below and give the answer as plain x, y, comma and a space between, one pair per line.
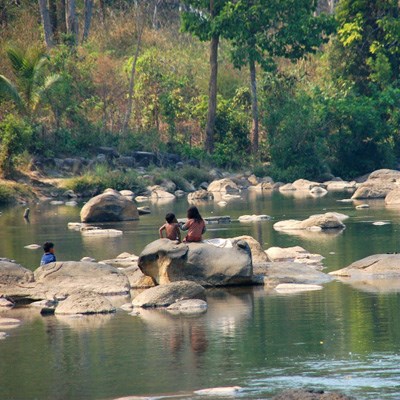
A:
339, 338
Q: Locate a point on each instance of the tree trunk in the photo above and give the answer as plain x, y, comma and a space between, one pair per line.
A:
44, 12
132, 79
62, 19
88, 19
254, 107
72, 22
53, 18
212, 94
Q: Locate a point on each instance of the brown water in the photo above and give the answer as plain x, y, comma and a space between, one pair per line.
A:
339, 338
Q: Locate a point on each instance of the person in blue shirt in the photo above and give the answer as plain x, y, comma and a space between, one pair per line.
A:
48, 256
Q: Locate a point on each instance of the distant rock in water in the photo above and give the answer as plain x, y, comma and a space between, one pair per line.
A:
315, 222
85, 303
304, 394
109, 206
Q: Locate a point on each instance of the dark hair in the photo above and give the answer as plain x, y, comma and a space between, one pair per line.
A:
47, 246
170, 217
193, 213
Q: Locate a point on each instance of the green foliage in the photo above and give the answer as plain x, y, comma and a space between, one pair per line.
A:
94, 182
368, 33
359, 137
15, 134
295, 134
195, 175
11, 192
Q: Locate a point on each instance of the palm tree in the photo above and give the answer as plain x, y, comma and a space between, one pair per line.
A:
32, 85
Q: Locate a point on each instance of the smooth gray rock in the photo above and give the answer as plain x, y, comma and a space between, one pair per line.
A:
200, 195
167, 261
315, 222
66, 277
165, 295
223, 185
379, 265
12, 274
274, 273
188, 307
85, 303
109, 206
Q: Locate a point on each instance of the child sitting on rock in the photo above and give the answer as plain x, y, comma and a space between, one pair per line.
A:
48, 256
171, 228
195, 225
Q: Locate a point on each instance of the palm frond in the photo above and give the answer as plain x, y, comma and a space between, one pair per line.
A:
16, 57
42, 91
8, 90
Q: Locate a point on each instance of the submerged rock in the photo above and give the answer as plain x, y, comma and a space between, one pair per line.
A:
254, 218
165, 295
84, 303
296, 287
167, 261
219, 391
109, 206
304, 394
192, 306
295, 254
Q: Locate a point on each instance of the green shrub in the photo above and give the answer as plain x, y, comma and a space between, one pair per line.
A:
15, 134
11, 192
195, 175
101, 178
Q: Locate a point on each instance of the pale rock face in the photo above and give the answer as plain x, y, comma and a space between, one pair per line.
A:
288, 187
200, 195
258, 255
165, 295
109, 206
161, 194
223, 185
137, 279
209, 265
304, 184
254, 218
85, 303
253, 180
393, 198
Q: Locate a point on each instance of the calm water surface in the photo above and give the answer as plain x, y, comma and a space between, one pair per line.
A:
340, 338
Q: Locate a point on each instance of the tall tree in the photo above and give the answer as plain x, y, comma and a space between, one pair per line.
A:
71, 19
88, 4
261, 30
200, 18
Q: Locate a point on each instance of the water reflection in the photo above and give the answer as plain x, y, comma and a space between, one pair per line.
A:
83, 323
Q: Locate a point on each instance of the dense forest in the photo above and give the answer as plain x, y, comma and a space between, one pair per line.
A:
289, 88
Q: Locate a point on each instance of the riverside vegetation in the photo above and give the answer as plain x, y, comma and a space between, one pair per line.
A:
323, 98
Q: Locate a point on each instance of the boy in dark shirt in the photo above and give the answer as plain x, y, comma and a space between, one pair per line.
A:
48, 256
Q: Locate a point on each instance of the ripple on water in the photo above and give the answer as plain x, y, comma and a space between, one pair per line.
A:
373, 377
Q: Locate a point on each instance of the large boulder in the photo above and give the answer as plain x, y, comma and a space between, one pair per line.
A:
378, 184
166, 261
165, 295
377, 265
137, 279
393, 197
85, 303
12, 273
109, 206
63, 278
314, 222
223, 185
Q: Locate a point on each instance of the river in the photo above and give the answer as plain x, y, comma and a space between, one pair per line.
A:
340, 338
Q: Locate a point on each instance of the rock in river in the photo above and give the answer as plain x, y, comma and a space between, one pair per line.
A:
66, 277
109, 206
85, 303
223, 185
167, 261
165, 295
315, 222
